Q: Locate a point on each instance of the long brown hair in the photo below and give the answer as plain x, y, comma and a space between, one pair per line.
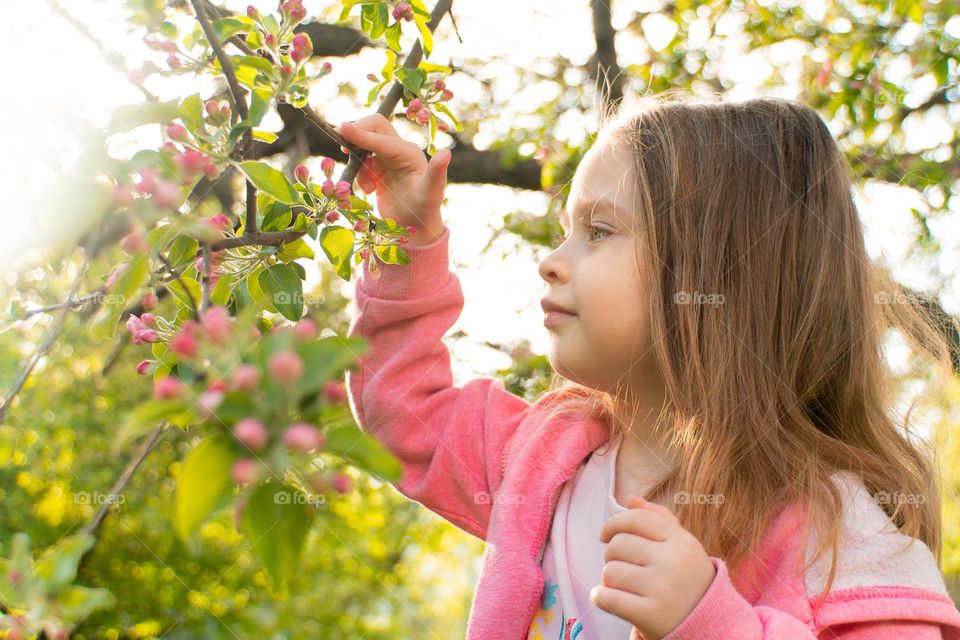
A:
778, 380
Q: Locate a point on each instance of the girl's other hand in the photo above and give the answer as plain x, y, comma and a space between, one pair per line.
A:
409, 188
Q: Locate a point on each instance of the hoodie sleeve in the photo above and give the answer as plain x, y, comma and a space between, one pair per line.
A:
900, 612
450, 440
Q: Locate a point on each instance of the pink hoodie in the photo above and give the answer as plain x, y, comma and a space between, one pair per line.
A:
486, 460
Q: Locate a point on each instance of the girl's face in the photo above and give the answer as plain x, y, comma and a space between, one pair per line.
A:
606, 344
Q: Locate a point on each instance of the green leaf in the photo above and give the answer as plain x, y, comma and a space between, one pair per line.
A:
283, 289
182, 250
426, 37
191, 113
237, 130
392, 254
265, 136
442, 107
326, 358
79, 603
254, 62
337, 244
203, 481
259, 104
187, 292
147, 416
276, 217
277, 521
270, 23
131, 116
226, 27
411, 79
58, 567
295, 250
392, 35
270, 180
349, 442
135, 276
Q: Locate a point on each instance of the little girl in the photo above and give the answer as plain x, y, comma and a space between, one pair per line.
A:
716, 330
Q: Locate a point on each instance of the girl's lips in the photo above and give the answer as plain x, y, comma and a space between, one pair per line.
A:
552, 318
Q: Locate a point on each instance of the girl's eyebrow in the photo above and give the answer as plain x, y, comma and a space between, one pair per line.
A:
586, 205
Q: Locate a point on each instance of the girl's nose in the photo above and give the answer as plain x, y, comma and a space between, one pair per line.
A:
552, 268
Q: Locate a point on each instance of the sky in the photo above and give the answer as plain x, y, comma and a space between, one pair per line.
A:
65, 82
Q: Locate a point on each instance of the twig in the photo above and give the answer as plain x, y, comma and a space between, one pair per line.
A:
121, 482
44, 346
205, 302
70, 303
193, 303
239, 104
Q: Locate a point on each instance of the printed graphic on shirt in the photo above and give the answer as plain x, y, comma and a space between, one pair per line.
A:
544, 620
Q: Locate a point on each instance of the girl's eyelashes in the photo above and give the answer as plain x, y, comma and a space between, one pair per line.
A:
591, 230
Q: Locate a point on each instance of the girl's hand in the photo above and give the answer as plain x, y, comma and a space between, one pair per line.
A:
656, 571
409, 189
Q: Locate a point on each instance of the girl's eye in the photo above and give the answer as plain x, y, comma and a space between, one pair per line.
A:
594, 229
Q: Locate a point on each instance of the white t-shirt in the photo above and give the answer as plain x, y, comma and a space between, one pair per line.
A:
573, 557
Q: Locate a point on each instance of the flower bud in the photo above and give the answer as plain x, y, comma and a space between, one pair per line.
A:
168, 387
423, 116
341, 483
332, 216
327, 188
150, 301
342, 189
285, 367
216, 324
439, 85
208, 402
302, 47
360, 225
305, 329
184, 344
302, 174
271, 41
334, 392
173, 61
177, 132
220, 222
166, 194
286, 70
364, 253
325, 68
143, 366
244, 470
251, 433
122, 195
303, 437
134, 243
252, 12
327, 166
246, 377
446, 95
148, 319
416, 104
442, 126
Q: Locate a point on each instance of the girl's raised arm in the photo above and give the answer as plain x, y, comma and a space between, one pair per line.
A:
450, 440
